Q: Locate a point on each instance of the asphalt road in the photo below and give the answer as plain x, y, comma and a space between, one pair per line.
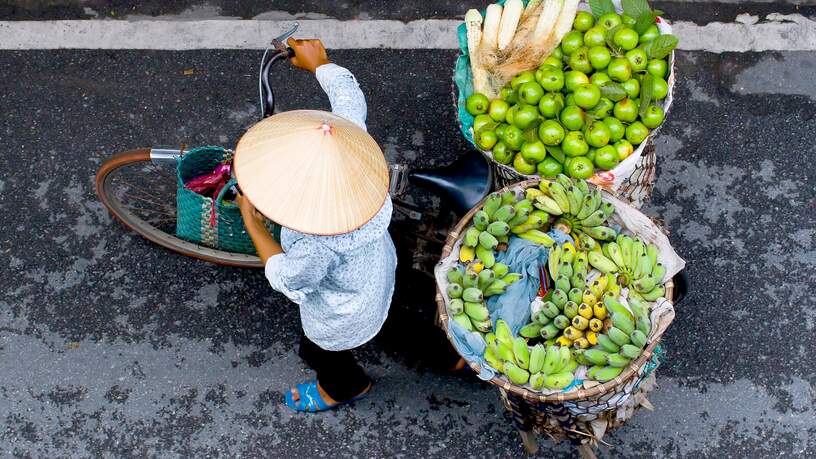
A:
110, 346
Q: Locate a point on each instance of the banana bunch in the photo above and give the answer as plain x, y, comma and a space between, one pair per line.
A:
635, 264
548, 367
572, 314
623, 340
468, 289
579, 211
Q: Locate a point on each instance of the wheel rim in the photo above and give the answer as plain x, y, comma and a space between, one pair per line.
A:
142, 195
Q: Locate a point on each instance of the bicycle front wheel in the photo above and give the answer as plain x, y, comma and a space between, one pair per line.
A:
141, 194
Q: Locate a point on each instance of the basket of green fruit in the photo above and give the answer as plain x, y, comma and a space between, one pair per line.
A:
571, 333
544, 87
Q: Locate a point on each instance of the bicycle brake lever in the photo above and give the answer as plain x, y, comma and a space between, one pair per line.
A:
287, 34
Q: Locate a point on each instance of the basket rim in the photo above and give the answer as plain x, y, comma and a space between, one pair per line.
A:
632, 370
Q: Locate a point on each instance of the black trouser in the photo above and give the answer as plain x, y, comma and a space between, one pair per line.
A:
337, 371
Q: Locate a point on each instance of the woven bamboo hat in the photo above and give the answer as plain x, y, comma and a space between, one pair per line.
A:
312, 171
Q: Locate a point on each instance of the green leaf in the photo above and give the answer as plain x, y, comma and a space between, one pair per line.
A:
635, 8
491, 126
613, 91
530, 135
555, 152
646, 89
662, 46
645, 21
601, 7
659, 13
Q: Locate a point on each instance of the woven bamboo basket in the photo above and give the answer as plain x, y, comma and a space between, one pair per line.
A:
636, 187
581, 416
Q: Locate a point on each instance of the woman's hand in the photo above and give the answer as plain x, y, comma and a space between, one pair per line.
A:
309, 54
247, 209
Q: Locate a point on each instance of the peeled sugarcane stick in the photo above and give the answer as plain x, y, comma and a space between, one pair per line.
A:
509, 22
550, 14
490, 32
531, 7
473, 23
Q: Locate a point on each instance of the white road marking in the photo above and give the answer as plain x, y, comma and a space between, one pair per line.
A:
776, 32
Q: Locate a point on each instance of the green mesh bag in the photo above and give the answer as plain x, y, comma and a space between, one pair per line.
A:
207, 221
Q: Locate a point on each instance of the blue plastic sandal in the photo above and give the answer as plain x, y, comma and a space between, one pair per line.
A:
310, 400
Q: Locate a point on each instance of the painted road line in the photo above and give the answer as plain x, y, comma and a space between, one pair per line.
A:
776, 32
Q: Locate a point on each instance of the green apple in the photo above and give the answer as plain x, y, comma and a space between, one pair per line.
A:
550, 78
486, 139
602, 108
523, 166
596, 36
549, 168
477, 104
609, 21
583, 21
533, 152
616, 129
530, 92
551, 104
572, 41
619, 69
636, 133
522, 78
574, 144
587, 95
631, 87
574, 78
658, 68
599, 57
508, 95
572, 118
638, 59
498, 110
552, 61
626, 110
599, 78
624, 149
525, 116
606, 157
481, 121
650, 34
660, 88
513, 137
500, 130
579, 60
551, 133
511, 114
597, 134
580, 168
626, 38
502, 153
653, 117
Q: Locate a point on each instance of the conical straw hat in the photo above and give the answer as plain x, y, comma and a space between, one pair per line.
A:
312, 171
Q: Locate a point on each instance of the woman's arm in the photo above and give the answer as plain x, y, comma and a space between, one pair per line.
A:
265, 244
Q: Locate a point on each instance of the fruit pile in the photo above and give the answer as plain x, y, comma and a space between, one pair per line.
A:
591, 317
589, 103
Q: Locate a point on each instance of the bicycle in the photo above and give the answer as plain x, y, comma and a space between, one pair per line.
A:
138, 187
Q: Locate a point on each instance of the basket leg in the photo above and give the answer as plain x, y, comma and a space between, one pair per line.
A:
586, 452
528, 438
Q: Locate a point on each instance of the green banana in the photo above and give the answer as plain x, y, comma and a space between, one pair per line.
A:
505, 351
517, 375
559, 195
596, 356
608, 373
532, 193
498, 229
522, 352
537, 237
455, 275
456, 306
582, 186
551, 360
464, 321
564, 358
470, 279
563, 180
544, 216
537, 381
455, 291
624, 323
615, 334
601, 263
625, 243
659, 272
493, 360
638, 338
613, 305
486, 277
481, 220
531, 330
508, 197
487, 256
559, 297
497, 287
537, 356
562, 283
589, 205
644, 325
570, 309
607, 344
504, 214
500, 270
601, 233
576, 295
547, 204
532, 222
476, 311
558, 380
519, 218
550, 331
565, 269
492, 204
553, 260
645, 284
586, 242
578, 280
595, 218
617, 360
550, 310
654, 294
608, 209
490, 338
630, 351
639, 307
645, 266
596, 288
488, 241
510, 278
637, 248
483, 326
471, 237
574, 197
503, 333
593, 370
614, 254
561, 322
473, 295
524, 204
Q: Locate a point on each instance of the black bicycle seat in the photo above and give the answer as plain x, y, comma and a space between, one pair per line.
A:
463, 184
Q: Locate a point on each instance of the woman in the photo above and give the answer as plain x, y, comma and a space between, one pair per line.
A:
325, 181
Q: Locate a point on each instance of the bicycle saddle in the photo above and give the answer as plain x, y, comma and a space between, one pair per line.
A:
462, 184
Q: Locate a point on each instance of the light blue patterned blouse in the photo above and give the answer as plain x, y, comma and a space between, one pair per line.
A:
342, 283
